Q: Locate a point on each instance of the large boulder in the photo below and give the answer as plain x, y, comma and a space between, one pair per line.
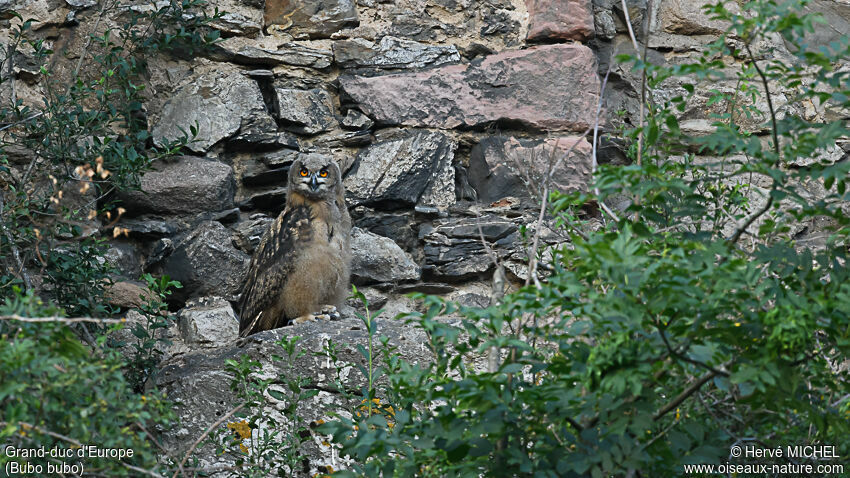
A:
206, 263
413, 169
559, 19
199, 385
551, 87
501, 167
187, 186
217, 102
378, 259
310, 18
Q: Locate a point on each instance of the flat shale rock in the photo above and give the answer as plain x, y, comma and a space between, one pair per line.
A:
208, 322
189, 185
403, 172
245, 51
454, 251
391, 53
551, 87
304, 111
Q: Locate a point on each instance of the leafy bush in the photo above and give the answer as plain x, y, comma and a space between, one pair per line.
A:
146, 355
60, 164
56, 393
691, 322
88, 139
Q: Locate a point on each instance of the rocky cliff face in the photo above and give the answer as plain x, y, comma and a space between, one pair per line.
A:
442, 115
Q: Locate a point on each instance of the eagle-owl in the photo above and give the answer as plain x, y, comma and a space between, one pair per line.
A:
303, 261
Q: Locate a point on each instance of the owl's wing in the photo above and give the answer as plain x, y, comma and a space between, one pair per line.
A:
272, 263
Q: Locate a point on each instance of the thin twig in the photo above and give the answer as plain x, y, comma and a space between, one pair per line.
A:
204, 435
498, 291
37, 428
16, 253
684, 395
629, 24
595, 140
142, 470
158, 445
737, 235
62, 320
12, 125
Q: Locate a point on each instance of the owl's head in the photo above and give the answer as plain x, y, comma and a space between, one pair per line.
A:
315, 176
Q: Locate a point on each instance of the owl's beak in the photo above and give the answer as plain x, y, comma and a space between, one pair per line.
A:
314, 183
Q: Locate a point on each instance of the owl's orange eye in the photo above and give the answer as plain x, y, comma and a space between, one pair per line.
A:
323, 173
304, 172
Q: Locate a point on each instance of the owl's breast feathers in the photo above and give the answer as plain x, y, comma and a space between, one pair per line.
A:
301, 226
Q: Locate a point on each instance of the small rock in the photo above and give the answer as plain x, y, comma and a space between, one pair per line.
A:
208, 322
258, 173
454, 251
310, 18
356, 120
81, 3
258, 132
235, 23
688, 18
304, 111
271, 199
124, 257
128, 294
501, 167
397, 226
249, 233
379, 259
559, 19
148, 228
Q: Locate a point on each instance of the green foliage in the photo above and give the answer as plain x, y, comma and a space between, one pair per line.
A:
78, 275
692, 321
147, 352
82, 396
258, 441
62, 158
87, 138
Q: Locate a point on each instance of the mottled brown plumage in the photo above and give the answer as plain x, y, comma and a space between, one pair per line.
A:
303, 261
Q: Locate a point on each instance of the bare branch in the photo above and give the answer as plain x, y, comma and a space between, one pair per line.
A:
684, 395
62, 320
25, 425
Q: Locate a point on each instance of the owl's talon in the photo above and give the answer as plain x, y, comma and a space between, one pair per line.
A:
331, 312
304, 319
